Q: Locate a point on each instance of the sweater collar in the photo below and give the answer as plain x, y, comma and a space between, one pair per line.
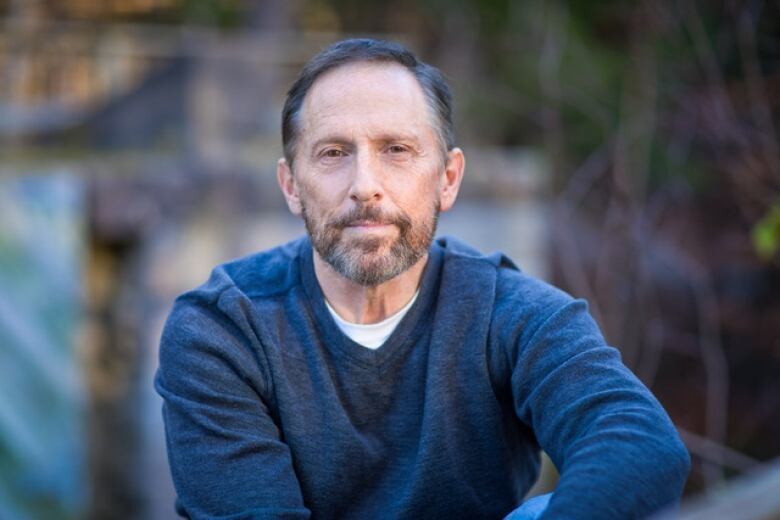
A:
403, 335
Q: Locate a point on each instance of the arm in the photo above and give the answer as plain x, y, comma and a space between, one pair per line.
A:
225, 452
618, 453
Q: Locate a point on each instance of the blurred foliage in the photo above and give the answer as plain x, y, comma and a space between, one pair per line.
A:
680, 96
225, 14
766, 234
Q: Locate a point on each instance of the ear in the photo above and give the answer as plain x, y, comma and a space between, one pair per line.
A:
289, 187
449, 184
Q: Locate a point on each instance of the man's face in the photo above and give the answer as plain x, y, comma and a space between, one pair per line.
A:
369, 175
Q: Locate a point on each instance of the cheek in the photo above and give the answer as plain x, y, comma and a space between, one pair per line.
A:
413, 179
422, 206
317, 199
322, 212
421, 192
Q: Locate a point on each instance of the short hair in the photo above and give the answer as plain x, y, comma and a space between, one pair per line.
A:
431, 80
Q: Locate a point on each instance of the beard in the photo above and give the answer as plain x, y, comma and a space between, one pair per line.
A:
370, 261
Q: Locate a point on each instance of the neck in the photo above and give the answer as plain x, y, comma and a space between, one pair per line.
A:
360, 304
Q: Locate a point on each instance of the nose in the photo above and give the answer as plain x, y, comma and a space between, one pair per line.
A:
366, 185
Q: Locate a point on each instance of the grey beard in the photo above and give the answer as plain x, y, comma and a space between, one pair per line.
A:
350, 261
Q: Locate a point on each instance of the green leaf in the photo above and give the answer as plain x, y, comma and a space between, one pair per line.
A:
766, 234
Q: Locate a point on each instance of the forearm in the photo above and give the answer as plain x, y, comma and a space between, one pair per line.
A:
621, 474
616, 449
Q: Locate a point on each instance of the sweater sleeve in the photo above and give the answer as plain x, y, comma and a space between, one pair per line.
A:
225, 451
618, 454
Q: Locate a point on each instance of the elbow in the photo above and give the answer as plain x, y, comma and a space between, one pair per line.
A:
681, 461
672, 466
665, 466
673, 459
664, 470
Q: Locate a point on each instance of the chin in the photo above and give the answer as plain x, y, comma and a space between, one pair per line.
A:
370, 245
368, 267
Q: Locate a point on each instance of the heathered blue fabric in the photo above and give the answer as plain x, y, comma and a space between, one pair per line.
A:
272, 412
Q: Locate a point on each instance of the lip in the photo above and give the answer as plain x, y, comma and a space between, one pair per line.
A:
368, 227
367, 224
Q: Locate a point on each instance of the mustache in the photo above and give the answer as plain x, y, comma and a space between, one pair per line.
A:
373, 214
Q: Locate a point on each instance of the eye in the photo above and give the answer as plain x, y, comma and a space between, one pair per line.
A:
332, 153
397, 149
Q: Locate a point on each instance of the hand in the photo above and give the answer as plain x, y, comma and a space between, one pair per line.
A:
531, 509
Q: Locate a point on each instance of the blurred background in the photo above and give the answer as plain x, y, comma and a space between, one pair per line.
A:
625, 151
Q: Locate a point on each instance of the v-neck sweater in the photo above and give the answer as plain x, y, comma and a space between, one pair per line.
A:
272, 412
371, 335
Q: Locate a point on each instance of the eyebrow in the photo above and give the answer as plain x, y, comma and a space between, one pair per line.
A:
382, 138
390, 138
331, 139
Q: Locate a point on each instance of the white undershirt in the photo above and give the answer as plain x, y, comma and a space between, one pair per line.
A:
371, 335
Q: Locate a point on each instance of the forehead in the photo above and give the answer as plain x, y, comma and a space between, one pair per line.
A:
366, 97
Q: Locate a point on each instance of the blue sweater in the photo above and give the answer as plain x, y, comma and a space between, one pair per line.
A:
272, 412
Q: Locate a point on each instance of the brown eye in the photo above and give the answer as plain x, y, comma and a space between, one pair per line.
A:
332, 153
397, 148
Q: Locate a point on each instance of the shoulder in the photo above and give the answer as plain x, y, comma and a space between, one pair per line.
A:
224, 303
522, 304
261, 274
519, 294
214, 324
514, 289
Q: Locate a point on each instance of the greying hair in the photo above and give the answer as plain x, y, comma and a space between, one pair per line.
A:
431, 80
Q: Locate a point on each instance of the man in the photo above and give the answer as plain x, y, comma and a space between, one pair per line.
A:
367, 371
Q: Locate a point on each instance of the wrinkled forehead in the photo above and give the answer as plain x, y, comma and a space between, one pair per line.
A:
366, 96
